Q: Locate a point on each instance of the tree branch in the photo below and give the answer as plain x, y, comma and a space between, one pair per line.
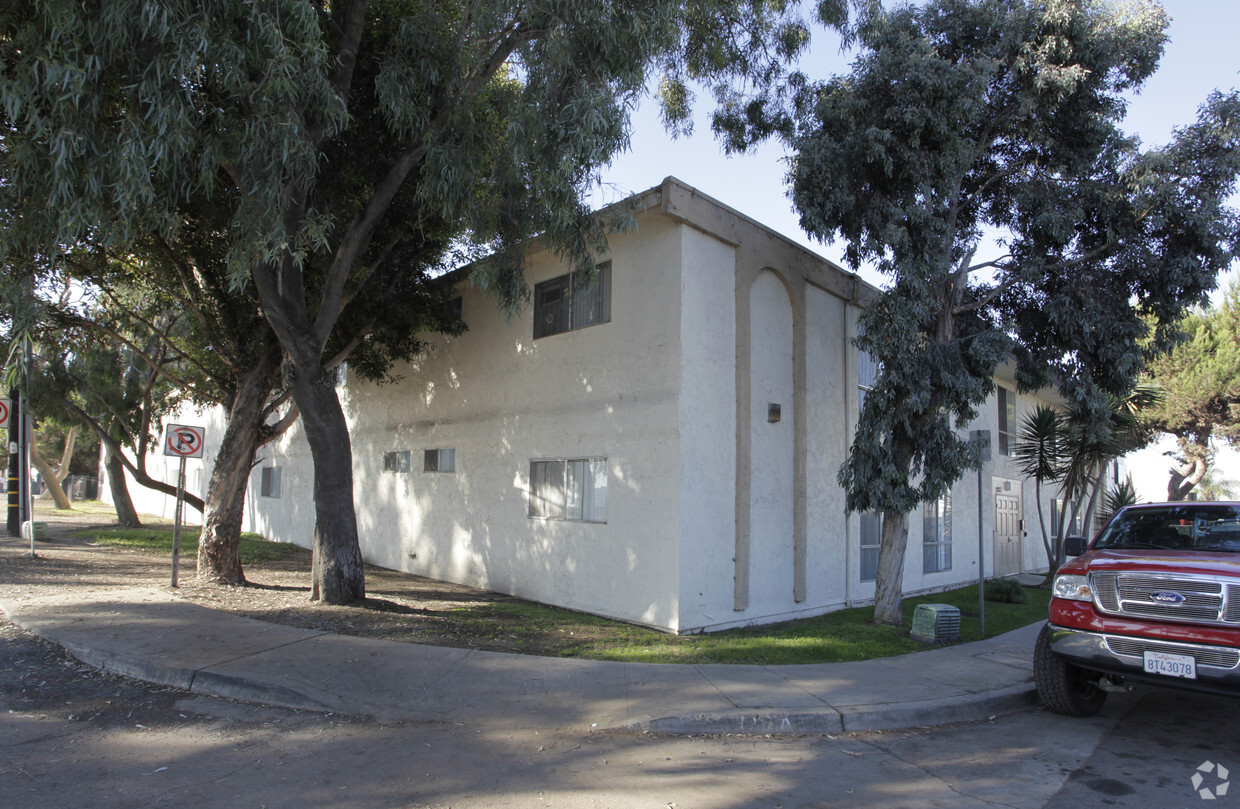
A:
139, 474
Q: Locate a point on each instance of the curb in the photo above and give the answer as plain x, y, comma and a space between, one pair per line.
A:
850, 720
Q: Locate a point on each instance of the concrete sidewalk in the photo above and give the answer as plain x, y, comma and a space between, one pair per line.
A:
151, 635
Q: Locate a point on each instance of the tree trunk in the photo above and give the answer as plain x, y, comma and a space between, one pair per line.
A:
1185, 478
889, 587
219, 544
126, 514
50, 480
338, 577
1048, 544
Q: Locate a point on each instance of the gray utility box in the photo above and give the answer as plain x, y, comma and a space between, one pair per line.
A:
936, 623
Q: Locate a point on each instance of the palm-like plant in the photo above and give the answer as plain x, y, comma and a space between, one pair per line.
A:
1096, 436
1041, 454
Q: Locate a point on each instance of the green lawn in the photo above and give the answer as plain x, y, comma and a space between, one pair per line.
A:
254, 548
835, 637
512, 624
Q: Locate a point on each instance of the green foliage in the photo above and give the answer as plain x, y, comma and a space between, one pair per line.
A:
1041, 451
1005, 591
1119, 496
1199, 377
341, 156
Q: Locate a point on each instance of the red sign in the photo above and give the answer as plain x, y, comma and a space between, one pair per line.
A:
184, 442
4, 414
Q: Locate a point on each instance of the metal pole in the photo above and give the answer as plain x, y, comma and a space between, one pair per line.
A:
15, 463
981, 557
176, 524
28, 428
984, 437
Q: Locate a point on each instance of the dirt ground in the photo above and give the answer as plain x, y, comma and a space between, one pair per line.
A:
398, 607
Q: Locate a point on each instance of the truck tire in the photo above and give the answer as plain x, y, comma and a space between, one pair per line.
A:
1063, 687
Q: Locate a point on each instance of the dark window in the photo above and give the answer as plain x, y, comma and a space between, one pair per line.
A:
396, 461
1007, 421
439, 460
572, 301
269, 482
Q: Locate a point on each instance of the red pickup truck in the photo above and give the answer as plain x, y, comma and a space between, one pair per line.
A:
1155, 598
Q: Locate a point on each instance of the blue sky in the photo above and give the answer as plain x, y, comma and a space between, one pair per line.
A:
1202, 55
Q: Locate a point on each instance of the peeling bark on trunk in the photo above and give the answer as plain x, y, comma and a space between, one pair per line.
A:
51, 481
126, 514
219, 544
1185, 478
338, 576
889, 587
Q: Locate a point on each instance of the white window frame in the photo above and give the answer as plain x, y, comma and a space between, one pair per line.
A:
573, 301
568, 489
936, 556
871, 537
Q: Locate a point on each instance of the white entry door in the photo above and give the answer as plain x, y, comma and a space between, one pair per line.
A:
1009, 527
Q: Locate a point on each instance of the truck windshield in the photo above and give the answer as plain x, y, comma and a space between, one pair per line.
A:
1187, 527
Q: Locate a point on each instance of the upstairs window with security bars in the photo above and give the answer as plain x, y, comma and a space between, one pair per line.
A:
572, 301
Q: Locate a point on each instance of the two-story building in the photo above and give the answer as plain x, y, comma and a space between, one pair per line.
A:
658, 443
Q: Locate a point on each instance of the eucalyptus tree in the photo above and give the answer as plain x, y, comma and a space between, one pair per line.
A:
1199, 378
347, 139
974, 155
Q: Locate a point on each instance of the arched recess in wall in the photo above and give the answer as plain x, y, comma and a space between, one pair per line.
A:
772, 443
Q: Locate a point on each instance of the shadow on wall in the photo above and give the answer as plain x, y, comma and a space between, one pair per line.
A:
473, 526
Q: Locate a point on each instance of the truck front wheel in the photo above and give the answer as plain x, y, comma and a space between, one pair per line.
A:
1063, 687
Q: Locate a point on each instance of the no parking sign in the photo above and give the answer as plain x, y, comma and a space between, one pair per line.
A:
4, 414
181, 441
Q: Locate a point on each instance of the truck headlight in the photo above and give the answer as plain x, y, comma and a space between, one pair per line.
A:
1075, 588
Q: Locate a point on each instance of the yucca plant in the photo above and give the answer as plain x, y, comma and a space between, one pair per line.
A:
1042, 455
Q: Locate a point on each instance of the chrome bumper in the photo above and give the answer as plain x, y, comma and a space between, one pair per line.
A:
1218, 667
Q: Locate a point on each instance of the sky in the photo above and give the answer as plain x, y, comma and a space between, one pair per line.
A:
1202, 55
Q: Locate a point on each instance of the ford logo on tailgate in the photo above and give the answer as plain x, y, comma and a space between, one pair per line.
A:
1167, 597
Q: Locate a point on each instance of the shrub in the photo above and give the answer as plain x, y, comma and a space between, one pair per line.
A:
1005, 591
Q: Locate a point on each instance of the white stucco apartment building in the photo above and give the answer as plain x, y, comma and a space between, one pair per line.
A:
659, 447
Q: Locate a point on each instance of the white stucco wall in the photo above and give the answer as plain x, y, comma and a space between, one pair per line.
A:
501, 399
707, 424
830, 380
772, 446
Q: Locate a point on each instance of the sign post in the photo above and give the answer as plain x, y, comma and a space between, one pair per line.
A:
14, 482
181, 441
983, 438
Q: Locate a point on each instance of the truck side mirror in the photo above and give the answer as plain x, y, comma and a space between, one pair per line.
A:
1075, 546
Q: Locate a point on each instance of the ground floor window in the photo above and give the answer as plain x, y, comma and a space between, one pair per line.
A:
439, 460
871, 538
397, 461
269, 482
937, 535
569, 489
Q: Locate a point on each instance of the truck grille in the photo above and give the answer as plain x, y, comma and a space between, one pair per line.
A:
1168, 598
1206, 655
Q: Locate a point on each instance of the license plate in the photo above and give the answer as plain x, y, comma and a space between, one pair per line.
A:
1171, 665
